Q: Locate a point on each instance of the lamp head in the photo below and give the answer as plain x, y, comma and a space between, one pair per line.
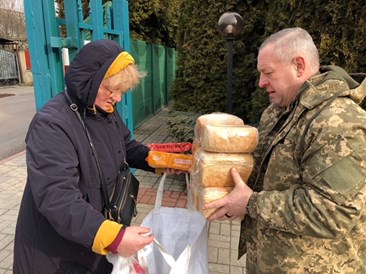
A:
230, 25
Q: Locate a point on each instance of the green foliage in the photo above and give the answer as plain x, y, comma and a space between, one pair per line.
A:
201, 77
154, 21
337, 27
181, 125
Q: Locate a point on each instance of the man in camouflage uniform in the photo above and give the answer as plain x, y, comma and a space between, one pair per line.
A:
305, 205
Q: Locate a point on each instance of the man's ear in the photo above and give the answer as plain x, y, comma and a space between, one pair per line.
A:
299, 63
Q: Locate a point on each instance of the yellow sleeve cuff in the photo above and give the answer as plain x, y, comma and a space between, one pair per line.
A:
106, 234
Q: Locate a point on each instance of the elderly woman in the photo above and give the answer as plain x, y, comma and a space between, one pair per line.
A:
61, 227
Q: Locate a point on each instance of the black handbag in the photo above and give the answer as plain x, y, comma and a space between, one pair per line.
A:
123, 198
120, 206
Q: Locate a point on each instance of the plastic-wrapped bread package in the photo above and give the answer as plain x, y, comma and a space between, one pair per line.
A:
195, 198
221, 142
205, 195
213, 169
216, 119
229, 139
160, 159
195, 145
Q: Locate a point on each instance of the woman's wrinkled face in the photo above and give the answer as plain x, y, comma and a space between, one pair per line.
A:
109, 94
278, 78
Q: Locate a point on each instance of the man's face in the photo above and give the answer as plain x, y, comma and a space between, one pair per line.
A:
278, 78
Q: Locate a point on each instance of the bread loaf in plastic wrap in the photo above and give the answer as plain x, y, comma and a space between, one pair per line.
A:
229, 139
205, 195
213, 169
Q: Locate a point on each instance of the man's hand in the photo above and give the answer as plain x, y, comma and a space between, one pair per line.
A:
134, 239
233, 205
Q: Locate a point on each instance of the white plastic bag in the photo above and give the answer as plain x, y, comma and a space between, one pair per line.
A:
123, 265
181, 239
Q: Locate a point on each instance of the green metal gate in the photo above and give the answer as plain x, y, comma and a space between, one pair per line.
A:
48, 34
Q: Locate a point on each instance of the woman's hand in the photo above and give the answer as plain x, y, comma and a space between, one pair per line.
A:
134, 239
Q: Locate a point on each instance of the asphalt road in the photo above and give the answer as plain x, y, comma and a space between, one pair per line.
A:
16, 112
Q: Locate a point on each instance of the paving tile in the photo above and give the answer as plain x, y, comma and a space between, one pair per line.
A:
215, 228
219, 268
219, 237
225, 229
213, 254
7, 227
236, 270
224, 256
234, 242
5, 241
6, 260
234, 258
215, 243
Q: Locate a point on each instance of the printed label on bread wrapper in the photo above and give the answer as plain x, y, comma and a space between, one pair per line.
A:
183, 162
160, 159
171, 147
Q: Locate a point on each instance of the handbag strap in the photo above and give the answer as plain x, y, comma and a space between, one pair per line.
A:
74, 108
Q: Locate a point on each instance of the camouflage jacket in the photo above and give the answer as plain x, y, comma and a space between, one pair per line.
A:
307, 213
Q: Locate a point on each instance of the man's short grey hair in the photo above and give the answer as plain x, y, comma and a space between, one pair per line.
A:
290, 42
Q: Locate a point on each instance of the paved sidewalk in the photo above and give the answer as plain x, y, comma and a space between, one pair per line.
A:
223, 236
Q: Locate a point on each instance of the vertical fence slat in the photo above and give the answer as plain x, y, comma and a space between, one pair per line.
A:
121, 25
74, 13
53, 54
143, 95
96, 16
37, 43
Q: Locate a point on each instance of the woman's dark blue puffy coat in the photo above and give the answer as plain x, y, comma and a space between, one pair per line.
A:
60, 212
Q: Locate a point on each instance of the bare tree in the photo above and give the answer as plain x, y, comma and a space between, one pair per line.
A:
12, 25
15, 5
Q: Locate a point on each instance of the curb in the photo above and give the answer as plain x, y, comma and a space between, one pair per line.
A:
11, 157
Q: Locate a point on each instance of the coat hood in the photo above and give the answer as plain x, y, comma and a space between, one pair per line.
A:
88, 68
356, 91
329, 81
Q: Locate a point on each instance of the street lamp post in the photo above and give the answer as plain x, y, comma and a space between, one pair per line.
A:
230, 25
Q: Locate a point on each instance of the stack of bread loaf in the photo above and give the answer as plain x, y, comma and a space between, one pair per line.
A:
221, 142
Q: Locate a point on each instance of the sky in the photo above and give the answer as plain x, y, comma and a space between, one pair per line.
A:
16, 5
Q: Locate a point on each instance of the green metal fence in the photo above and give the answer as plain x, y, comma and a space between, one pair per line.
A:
153, 93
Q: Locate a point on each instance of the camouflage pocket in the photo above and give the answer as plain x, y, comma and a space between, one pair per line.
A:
338, 166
